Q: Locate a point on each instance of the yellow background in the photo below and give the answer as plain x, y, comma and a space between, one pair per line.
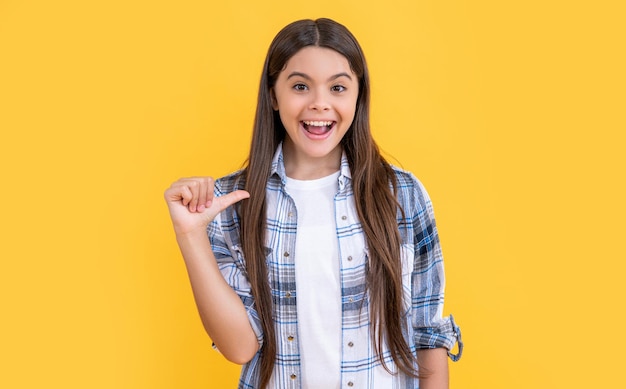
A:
510, 112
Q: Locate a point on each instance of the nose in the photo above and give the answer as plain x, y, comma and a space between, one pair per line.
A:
319, 101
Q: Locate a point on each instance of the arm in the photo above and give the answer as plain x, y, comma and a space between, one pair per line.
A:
192, 206
434, 335
434, 365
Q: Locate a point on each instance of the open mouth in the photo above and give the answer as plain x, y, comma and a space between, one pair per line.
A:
317, 127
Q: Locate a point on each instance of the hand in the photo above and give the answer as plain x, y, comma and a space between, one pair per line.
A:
192, 205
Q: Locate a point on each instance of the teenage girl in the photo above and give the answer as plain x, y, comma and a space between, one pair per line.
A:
318, 265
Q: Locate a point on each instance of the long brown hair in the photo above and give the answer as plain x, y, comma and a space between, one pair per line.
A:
373, 184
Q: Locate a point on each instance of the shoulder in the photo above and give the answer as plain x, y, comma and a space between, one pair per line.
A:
411, 192
406, 181
231, 182
404, 177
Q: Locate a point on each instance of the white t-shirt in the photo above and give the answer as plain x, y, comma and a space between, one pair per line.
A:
318, 287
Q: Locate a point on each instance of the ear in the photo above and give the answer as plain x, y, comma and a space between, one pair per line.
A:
274, 101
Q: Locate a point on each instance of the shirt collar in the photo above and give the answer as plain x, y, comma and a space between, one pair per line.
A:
278, 166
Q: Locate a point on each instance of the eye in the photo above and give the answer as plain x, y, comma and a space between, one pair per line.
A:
300, 87
338, 88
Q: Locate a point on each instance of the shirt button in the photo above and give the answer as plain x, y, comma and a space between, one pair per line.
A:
350, 344
286, 254
350, 383
293, 376
288, 294
344, 217
290, 214
290, 338
350, 258
351, 299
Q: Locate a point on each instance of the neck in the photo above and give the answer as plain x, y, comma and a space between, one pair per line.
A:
304, 167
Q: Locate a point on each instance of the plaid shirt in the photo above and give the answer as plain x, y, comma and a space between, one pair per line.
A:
422, 277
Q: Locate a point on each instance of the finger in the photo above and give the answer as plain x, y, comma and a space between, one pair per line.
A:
209, 192
185, 195
205, 186
178, 193
229, 199
194, 187
201, 194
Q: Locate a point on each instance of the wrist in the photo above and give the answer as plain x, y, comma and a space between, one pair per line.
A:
197, 235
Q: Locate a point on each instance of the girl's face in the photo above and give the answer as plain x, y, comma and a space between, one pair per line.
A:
316, 95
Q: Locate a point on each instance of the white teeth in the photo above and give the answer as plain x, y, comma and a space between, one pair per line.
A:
317, 123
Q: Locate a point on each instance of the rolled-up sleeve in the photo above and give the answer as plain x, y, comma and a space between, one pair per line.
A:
430, 328
231, 263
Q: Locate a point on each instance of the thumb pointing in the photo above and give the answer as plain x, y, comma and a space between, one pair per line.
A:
229, 199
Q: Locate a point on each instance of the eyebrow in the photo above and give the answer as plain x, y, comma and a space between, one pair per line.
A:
307, 77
